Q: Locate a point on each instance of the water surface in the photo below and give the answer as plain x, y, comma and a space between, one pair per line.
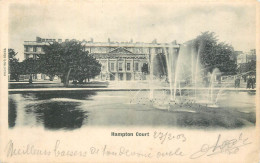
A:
67, 110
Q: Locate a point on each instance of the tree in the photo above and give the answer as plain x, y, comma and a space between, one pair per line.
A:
214, 54
51, 62
69, 60
160, 64
88, 68
14, 65
30, 66
247, 68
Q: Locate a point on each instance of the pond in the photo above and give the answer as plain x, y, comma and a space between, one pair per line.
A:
71, 110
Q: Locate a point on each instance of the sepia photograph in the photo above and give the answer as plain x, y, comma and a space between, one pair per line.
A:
155, 70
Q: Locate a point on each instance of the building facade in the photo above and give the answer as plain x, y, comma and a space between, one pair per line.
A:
120, 61
246, 57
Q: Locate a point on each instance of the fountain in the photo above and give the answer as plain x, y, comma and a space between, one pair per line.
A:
151, 81
185, 83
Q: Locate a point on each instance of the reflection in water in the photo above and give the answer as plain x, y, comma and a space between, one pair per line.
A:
49, 95
56, 115
11, 112
53, 110
73, 110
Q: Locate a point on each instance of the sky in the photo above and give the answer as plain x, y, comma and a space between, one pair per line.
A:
166, 21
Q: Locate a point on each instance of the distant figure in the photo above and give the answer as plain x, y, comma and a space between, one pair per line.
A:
30, 79
253, 82
249, 82
237, 82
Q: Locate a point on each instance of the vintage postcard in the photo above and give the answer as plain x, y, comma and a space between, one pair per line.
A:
129, 81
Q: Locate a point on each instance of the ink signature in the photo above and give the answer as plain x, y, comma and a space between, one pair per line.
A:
229, 147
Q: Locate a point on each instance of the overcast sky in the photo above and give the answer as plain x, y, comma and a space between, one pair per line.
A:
141, 21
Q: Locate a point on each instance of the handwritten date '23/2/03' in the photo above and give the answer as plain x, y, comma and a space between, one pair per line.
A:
165, 136
227, 146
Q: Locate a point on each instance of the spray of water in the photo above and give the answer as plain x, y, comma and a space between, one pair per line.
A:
197, 71
151, 84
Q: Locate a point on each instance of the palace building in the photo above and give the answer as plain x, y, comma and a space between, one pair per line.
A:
120, 61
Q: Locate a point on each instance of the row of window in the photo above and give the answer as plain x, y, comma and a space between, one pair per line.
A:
133, 50
98, 50
49, 40
33, 49
120, 66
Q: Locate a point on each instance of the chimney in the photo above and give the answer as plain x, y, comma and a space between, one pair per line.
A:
91, 40
174, 42
108, 40
154, 41
38, 39
131, 41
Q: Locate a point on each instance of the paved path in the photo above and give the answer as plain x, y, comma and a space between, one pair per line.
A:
37, 81
121, 89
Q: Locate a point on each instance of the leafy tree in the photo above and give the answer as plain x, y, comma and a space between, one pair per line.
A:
161, 66
214, 54
14, 65
88, 68
69, 59
51, 63
30, 66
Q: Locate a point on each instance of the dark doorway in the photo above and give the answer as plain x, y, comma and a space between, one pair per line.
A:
128, 76
120, 76
112, 76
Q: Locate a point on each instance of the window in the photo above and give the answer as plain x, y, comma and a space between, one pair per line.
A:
146, 50
120, 67
136, 66
128, 68
30, 49
39, 49
112, 67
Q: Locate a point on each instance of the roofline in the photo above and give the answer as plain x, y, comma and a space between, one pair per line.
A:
107, 44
